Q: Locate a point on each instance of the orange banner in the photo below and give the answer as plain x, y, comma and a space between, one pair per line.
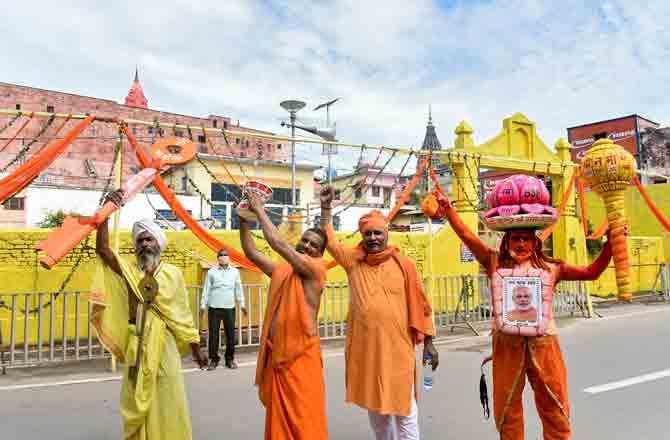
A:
26, 173
179, 210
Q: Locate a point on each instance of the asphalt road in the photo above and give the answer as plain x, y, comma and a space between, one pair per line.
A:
628, 344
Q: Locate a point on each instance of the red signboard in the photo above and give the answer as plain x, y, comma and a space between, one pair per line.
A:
622, 131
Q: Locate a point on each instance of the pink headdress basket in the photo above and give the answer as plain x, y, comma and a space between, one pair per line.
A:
519, 202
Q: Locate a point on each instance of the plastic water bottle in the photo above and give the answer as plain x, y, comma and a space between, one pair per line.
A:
428, 372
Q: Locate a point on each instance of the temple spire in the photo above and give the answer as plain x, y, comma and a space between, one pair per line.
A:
136, 96
430, 140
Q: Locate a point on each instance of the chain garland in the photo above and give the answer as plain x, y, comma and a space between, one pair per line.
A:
84, 246
24, 150
11, 122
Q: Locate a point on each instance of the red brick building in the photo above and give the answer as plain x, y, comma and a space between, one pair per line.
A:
87, 162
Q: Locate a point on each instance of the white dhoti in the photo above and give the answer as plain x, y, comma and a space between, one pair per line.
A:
391, 427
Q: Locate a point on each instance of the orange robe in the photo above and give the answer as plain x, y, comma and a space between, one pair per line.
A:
388, 315
289, 373
538, 358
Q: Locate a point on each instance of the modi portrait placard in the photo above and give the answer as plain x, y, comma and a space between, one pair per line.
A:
521, 301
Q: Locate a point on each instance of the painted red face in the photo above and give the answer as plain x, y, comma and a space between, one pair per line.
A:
521, 245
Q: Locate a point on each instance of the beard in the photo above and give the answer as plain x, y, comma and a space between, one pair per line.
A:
148, 259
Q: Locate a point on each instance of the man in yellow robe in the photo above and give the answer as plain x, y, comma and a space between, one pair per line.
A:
150, 342
389, 315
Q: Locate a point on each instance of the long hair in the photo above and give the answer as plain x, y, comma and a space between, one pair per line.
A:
538, 258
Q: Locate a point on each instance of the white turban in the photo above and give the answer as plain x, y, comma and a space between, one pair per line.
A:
150, 226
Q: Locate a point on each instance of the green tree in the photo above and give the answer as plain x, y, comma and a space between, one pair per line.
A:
52, 219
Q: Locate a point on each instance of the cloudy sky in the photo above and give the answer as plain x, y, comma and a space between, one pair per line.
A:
562, 63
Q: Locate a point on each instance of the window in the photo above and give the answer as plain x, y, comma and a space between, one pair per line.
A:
184, 183
375, 191
89, 165
225, 125
15, 204
278, 146
150, 130
50, 108
202, 139
225, 193
336, 222
246, 144
18, 106
237, 141
359, 193
135, 131
179, 133
269, 147
215, 123
219, 214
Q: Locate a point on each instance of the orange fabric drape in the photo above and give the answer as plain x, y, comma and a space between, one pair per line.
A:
404, 197
26, 173
561, 209
582, 206
600, 230
179, 210
30, 118
659, 215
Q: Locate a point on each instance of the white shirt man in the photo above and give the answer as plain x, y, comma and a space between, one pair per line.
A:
221, 288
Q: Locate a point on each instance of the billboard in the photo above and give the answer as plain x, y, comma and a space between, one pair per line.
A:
622, 131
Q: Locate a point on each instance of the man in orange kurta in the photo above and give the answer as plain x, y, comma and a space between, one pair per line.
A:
289, 373
388, 315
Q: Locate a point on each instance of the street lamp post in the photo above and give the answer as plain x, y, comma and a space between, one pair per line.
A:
292, 106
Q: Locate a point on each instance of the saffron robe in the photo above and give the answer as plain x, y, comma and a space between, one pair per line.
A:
289, 372
388, 315
154, 407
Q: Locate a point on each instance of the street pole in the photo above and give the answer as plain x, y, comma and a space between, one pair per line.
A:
330, 153
293, 198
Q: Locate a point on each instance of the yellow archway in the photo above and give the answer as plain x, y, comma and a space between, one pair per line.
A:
517, 148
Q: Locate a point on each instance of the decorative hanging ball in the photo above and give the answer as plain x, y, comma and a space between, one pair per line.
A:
609, 169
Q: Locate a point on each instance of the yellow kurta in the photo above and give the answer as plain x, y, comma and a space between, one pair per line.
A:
154, 407
380, 354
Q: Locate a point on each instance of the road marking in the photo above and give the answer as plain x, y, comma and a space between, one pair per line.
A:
627, 382
58, 384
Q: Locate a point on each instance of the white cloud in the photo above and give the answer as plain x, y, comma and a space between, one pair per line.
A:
559, 62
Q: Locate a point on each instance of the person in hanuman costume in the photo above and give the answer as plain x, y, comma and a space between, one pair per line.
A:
142, 315
520, 351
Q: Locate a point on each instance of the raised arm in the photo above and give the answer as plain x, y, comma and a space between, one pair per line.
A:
293, 257
249, 247
342, 254
478, 248
590, 272
102, 237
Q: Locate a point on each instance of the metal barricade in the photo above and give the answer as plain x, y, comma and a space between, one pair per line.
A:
47, 327
43, 327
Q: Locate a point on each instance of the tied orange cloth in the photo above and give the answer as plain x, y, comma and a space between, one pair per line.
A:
539, 358
372, 220
388, 315
289, 373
